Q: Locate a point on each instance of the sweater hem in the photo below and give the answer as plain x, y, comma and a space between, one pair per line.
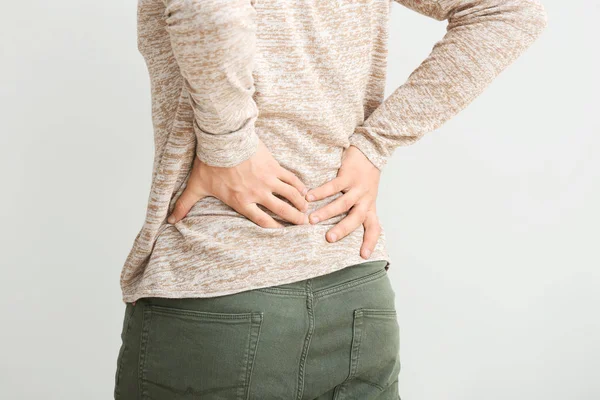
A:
179, 294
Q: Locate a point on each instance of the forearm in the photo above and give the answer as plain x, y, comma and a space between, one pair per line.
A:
483, 37
214, 43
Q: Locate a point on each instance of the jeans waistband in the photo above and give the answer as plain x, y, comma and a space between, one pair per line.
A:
337, 280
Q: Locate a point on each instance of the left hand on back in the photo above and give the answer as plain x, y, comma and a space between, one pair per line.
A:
358, 180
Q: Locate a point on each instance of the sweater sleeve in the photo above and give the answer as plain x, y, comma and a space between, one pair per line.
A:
213, 42
482, 38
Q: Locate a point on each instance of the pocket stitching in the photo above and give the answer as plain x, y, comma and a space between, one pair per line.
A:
353, 283
255, 319
358, 331
383, 312
358, 326
253, 349
203, 314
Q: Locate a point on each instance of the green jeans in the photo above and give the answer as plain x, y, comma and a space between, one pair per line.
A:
335, 336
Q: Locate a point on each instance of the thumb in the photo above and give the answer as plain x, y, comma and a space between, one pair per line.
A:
183, 205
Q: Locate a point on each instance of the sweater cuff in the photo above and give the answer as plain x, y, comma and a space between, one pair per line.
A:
366, 143
227, 150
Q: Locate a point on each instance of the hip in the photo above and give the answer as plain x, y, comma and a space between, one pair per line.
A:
333, 333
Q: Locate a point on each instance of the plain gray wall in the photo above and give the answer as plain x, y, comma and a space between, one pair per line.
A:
492, 220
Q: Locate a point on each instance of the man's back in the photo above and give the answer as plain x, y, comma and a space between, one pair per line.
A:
319, 70
318, 74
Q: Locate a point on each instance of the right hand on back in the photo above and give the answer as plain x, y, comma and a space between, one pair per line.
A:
244, 186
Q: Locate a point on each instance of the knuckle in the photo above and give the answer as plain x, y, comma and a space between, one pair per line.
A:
372, 229
362, 216
304, 204
253, 191
239, 197
179, 206
363, 190
372, 222
271, 181
289, 175
300, 202
336, 185
347, 180
346, 204
281, 209
300, 218
261, 220
289, 193
295, 196
376, 222
362, 212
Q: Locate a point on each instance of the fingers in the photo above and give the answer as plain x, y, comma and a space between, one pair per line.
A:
292, 194
259, 217
330, 188
290, 178
284, 210
371, 235
353, 220
336, 207
183, 205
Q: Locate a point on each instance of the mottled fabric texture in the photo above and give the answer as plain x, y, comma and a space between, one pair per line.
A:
307, 77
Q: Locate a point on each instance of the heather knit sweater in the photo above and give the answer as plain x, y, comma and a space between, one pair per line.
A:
307, 77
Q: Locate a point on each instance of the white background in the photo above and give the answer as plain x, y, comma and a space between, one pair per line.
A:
492, 220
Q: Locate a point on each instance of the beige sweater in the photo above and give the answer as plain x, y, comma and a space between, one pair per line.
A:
307, 78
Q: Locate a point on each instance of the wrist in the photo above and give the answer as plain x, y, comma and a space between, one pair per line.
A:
368, 148
227, 150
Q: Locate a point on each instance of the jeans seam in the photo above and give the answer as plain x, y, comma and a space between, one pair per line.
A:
311, 328
284, 292
253, 342
200, 315
357, 332
143, 349
356, 347
351, 284
125, 349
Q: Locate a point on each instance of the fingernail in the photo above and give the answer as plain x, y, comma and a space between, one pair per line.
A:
333, 237
367, 253
171, 219
304, 191
310, 197
314, 219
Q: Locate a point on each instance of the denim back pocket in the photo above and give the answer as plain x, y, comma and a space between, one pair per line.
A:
188, 354
375, 355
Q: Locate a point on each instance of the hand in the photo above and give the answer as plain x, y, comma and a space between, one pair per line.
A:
244, 186
358, 179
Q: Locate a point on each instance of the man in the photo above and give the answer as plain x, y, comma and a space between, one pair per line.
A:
249, 278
